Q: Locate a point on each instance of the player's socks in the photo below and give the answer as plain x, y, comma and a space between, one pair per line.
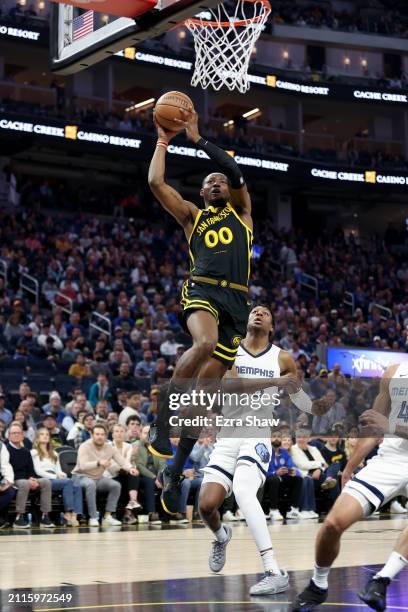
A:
320, 576
394, 566
269, 561
185, 446
221, 534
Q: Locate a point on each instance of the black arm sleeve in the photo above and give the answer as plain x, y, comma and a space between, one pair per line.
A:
227, 163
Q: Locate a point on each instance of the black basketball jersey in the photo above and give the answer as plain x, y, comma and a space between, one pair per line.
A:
221, 245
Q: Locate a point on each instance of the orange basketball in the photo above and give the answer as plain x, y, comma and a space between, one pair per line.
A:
168, 108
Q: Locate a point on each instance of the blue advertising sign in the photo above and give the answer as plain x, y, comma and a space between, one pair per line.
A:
363, 362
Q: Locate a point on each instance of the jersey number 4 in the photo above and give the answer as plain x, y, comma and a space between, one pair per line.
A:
212, 238
403, 413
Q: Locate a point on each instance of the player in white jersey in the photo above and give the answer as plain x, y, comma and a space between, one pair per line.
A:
241, 456
384, 477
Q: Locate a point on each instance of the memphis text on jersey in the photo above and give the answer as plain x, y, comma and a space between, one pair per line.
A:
219, 420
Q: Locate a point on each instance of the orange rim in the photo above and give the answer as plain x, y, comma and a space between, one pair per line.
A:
226, 24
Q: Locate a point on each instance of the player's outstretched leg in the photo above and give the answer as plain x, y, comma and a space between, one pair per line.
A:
204, 331
247, 481
212, 494
345, 512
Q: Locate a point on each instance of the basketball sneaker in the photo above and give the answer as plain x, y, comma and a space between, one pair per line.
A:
159, 444
397, 508
375, 593
293, 513
171, 491
218, 554
310, 598
275, 515
229, 516
270, 584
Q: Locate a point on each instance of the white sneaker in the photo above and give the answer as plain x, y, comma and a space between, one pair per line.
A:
218, 553
306, 514
275, 515
313, 514
270, 584
293, 513
111, 521
397, 508
229, 517
93, 522
239, 516
133, 505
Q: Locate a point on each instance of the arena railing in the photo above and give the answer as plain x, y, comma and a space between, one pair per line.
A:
4, 272
64, 302
30, 285
349, 300
386, 313
101, 324
310, 282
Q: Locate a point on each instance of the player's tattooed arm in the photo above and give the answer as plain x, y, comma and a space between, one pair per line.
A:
182, 210
240, 198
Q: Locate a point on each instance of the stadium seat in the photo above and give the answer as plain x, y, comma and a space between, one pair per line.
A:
68, 459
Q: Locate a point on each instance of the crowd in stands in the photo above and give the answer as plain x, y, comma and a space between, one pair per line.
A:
382, 17
62, 376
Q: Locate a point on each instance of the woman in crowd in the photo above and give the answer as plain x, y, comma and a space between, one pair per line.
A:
47, 465
130, 484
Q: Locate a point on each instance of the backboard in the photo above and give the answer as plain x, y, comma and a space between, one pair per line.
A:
85, 32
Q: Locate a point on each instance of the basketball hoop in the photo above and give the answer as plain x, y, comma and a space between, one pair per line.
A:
223, 45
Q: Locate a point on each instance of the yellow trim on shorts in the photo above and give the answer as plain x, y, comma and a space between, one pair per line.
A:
202, 307
224, 356
226, 348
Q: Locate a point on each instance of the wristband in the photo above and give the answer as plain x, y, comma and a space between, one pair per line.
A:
162, 143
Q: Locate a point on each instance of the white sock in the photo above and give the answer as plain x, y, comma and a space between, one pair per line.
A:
320, 576
245, 486
221, 534
394, 565
269, 561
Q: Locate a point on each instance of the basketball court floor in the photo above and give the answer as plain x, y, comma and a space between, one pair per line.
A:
165, 568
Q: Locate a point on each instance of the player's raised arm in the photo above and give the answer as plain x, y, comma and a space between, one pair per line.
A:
183, 211
240, 198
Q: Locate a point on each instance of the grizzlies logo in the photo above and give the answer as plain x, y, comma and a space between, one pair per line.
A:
236, 341
262, 452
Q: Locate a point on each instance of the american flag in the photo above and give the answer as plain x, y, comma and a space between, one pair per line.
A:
83, 25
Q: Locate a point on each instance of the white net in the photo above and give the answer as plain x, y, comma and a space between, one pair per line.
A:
223, 44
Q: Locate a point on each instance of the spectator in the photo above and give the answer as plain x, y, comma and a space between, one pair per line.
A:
334, 456
100, 391
70, 419
337, 414
47, 465
79, 369
81, 431
7, 491
94, 457
29, 432
5, 415
146, 367
55, 407
129, 483
50, 424
133, 429
283, 478
149, 467
26, 480
124, 380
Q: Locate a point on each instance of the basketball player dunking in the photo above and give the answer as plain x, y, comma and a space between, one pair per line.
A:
384, 477
215, 298
241, 456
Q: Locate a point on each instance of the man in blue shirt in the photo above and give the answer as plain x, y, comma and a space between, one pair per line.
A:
283, 478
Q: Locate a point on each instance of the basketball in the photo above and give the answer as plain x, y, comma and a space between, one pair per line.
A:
168, 109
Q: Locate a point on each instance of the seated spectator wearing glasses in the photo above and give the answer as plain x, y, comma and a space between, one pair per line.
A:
283, 478
29, 432
149, 467
94, 457
47, 465
7, 491
315, 472
5, 415
128, 482
26, 479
